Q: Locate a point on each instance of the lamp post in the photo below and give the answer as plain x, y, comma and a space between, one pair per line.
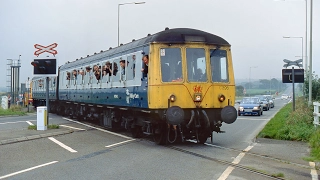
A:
119, 14
250, 77
310, 56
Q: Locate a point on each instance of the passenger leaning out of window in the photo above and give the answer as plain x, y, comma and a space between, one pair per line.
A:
145, 60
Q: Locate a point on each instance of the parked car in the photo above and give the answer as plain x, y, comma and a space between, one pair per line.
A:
271, 100
250, 106
265, 102
284, 97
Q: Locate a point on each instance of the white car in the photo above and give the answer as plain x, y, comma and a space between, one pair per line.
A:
284, 96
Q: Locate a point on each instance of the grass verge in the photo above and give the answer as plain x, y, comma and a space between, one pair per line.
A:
14, 110
295, 126
50, 126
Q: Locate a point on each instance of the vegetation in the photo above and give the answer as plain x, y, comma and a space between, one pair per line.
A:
14, 110
315, 87
50, 126
295, 126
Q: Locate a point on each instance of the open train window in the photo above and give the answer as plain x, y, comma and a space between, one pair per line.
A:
171, 64
196, 65
116, 70
219, 65
130, 69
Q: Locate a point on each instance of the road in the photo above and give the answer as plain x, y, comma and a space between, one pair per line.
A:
94, 153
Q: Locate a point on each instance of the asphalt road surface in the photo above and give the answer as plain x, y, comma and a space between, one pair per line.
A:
94, 153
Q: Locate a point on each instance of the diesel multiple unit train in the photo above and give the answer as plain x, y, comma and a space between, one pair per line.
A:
187, 92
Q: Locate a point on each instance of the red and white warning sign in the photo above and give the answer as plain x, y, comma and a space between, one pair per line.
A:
42, 49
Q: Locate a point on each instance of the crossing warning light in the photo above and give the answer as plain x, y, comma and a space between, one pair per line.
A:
44, 66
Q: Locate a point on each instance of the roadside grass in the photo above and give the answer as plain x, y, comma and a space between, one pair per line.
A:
14, 110
295, 126
50, 126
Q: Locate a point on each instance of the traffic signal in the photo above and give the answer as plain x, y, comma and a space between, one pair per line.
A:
44, 66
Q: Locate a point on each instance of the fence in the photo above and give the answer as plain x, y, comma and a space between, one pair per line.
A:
316, 113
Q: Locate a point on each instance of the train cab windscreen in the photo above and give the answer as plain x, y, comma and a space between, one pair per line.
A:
219, 65
171, 64
196, 65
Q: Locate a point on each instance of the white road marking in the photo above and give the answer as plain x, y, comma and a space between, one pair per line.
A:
30, 123
248, 149
226, 173
313, 173
236, 160
29, 169
119, 143
15, 122
103, 130
253, 119
62, 145
72, 127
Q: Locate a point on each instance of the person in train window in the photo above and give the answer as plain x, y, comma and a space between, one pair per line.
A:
74, 74
68, 75
123, 66
96, 71
145, 60
108, 69
115, 68
134, 64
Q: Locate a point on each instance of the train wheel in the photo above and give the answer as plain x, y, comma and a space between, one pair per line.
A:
159, 134
136, 132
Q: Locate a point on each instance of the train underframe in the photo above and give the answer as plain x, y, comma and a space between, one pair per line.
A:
165, 125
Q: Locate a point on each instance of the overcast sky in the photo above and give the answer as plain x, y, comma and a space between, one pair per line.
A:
254, 28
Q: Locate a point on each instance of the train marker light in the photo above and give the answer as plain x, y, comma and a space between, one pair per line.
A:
221, 97
197, 97
172, 98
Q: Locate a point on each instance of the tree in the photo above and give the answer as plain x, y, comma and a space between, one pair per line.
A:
315, 86
239, 90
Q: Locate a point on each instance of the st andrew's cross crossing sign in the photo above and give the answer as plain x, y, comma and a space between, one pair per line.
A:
42, 49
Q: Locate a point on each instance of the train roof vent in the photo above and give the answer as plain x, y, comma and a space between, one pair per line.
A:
121, 44
166, 28
87, 55
133, 40
110, 47
77, 59
94, 53
101, 51
81, 58
149, 35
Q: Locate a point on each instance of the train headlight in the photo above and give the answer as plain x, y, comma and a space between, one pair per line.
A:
172, 98
197, 97
221, 97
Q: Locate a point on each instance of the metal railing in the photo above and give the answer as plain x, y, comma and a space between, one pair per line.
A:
316, 113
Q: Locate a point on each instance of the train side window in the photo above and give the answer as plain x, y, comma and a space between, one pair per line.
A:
171, 64
130, 67
219, 65
96, 73
116, 73
74, 76
88, 75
